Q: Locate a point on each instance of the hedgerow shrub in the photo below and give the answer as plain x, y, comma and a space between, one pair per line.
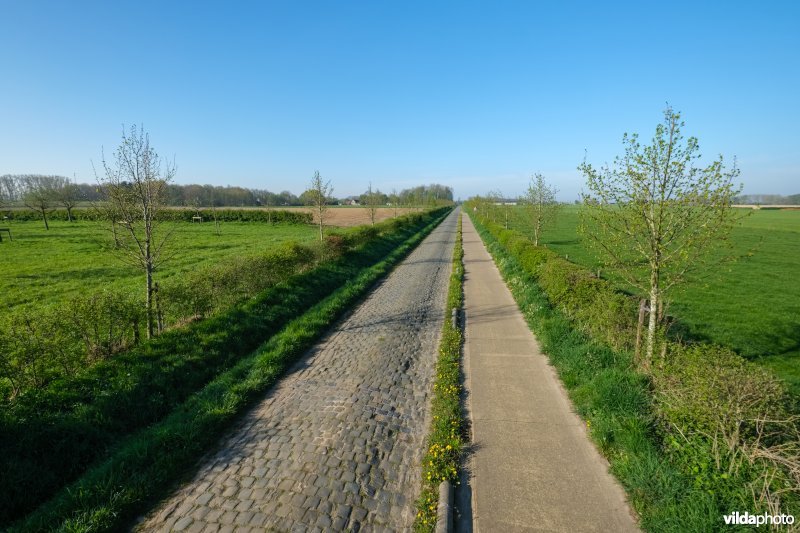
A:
107, 322
591, 302
728, 424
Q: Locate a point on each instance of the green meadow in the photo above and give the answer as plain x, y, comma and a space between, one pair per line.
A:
46, 267
751, 305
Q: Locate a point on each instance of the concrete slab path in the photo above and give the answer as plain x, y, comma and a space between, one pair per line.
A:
533, 467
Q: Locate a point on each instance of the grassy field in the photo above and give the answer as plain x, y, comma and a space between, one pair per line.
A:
752, 305
45, 267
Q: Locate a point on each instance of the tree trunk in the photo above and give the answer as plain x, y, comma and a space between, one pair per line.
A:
149, 300
651, 325
159, 314
69, 214
639, 328
44, 216
537, 228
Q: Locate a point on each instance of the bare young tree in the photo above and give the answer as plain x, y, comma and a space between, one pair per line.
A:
541, 204
318, 194
372, 201
654, 217
67, 194
394, 199
39, 193
135, 186
494, 201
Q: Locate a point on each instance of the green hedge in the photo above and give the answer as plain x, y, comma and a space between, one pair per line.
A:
49, 436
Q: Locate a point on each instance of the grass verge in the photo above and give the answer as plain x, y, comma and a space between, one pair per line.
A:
138, 468
445, 441
616, 403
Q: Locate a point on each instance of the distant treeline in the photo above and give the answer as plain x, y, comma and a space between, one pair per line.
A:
768, 199
30, 189
274, 216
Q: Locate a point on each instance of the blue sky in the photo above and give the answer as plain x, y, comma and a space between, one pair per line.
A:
475, 95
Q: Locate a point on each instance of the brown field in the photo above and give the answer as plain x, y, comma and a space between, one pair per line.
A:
352, 216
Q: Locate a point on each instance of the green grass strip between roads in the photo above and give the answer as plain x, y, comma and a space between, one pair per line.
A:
146, 466
445, 441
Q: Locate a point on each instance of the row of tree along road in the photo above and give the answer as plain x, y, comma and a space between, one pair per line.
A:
657, 219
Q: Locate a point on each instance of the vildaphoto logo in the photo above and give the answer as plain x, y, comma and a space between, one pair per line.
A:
746, 519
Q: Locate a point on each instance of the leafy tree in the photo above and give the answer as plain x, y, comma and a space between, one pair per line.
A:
317, 196
135, 186
540, 201
654, 217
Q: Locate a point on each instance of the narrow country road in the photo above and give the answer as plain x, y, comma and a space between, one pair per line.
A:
337, 444
533, 467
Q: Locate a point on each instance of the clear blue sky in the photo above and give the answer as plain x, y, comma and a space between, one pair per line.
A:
475, 95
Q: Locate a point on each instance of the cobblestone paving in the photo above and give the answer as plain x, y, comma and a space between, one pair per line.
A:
337, 444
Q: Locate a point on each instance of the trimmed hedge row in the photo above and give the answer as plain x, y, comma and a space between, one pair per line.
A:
276, 216
725, 425
594, 305
49, 436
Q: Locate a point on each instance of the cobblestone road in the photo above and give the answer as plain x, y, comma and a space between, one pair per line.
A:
337, 444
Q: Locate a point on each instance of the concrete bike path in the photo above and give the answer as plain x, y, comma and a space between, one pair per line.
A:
533, 467
337, 444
